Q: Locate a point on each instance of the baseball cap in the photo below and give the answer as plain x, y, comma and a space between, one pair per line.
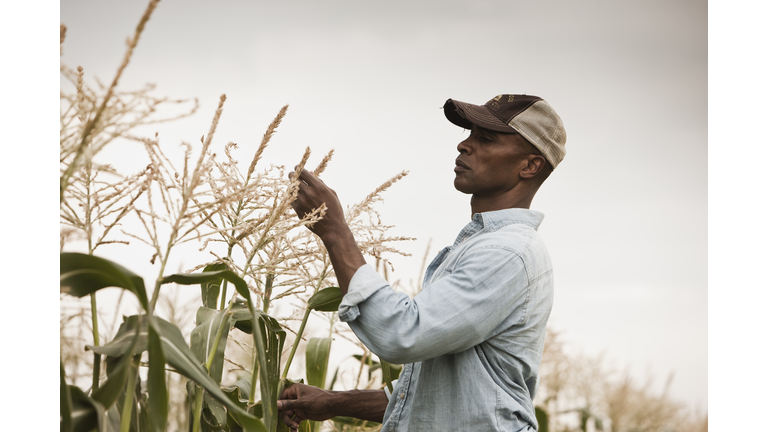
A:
528, 115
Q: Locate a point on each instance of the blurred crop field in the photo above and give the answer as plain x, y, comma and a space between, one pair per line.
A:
242, 299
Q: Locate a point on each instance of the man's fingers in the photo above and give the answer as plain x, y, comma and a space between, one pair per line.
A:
289, 418
307, 177
286, 404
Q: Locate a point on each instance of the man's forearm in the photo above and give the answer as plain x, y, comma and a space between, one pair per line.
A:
345, 255
360, 404
332, 229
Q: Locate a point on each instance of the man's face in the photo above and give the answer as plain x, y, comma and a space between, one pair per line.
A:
489, 162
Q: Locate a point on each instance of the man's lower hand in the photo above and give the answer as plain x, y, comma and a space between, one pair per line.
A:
301, 402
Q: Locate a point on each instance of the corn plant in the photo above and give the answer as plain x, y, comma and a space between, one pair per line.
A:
257, 245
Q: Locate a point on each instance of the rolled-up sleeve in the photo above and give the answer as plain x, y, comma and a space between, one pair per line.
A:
457, 311
363, 284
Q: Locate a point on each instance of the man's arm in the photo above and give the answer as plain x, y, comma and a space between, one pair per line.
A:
302, 402
332, 229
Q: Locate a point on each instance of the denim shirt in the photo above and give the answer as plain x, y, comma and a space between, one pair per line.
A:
472, 339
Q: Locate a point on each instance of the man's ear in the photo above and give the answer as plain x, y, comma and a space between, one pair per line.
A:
535, 165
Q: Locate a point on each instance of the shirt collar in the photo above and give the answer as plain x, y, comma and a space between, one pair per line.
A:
495, 220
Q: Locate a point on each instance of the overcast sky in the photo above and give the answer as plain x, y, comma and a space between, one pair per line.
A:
626, 211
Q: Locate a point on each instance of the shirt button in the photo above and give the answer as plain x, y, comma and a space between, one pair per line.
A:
402, 395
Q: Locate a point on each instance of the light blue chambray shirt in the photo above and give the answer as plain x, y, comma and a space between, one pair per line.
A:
472, 339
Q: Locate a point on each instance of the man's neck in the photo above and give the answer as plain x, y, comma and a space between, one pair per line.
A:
482, 204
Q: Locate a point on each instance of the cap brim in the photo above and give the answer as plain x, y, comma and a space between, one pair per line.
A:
466, 115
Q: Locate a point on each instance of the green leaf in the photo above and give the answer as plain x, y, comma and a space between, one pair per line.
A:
238, 392
113, 419
131, 339
204, 335
65, 402
81, 274
326, 300
385, 372
271, 336
542, 418
181, 357
263, 345
157, 412
203, 339
126, 338
142, 415
333, 380
269, 341
87, 414
210, 290
318, 352
214, 414
243, 318
130, 394
209, 277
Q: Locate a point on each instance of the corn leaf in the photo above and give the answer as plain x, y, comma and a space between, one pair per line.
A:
126, 338
87, 414
333, 380
242, 317
214, 414
65, 402
326, 300
82, 274
113, 419
131, 339
211, 277
271, 338
318, 352
542, 418
204, 335
238, 392
210, 290
157, 408
142, 415
181, 357
386, 374
267, 382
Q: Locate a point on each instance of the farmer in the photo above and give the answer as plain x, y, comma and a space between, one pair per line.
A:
472, 339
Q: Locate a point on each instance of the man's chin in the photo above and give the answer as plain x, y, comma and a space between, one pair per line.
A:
460, 186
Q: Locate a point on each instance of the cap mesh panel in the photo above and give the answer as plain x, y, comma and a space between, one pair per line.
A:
540, 125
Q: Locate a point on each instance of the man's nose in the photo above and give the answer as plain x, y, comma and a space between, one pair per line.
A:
464, 147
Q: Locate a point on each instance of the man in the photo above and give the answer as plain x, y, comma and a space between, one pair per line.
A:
472, 339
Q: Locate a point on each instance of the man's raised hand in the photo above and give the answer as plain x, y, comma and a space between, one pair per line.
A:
313, 192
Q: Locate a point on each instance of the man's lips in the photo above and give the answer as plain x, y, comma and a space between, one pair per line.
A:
460, 166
